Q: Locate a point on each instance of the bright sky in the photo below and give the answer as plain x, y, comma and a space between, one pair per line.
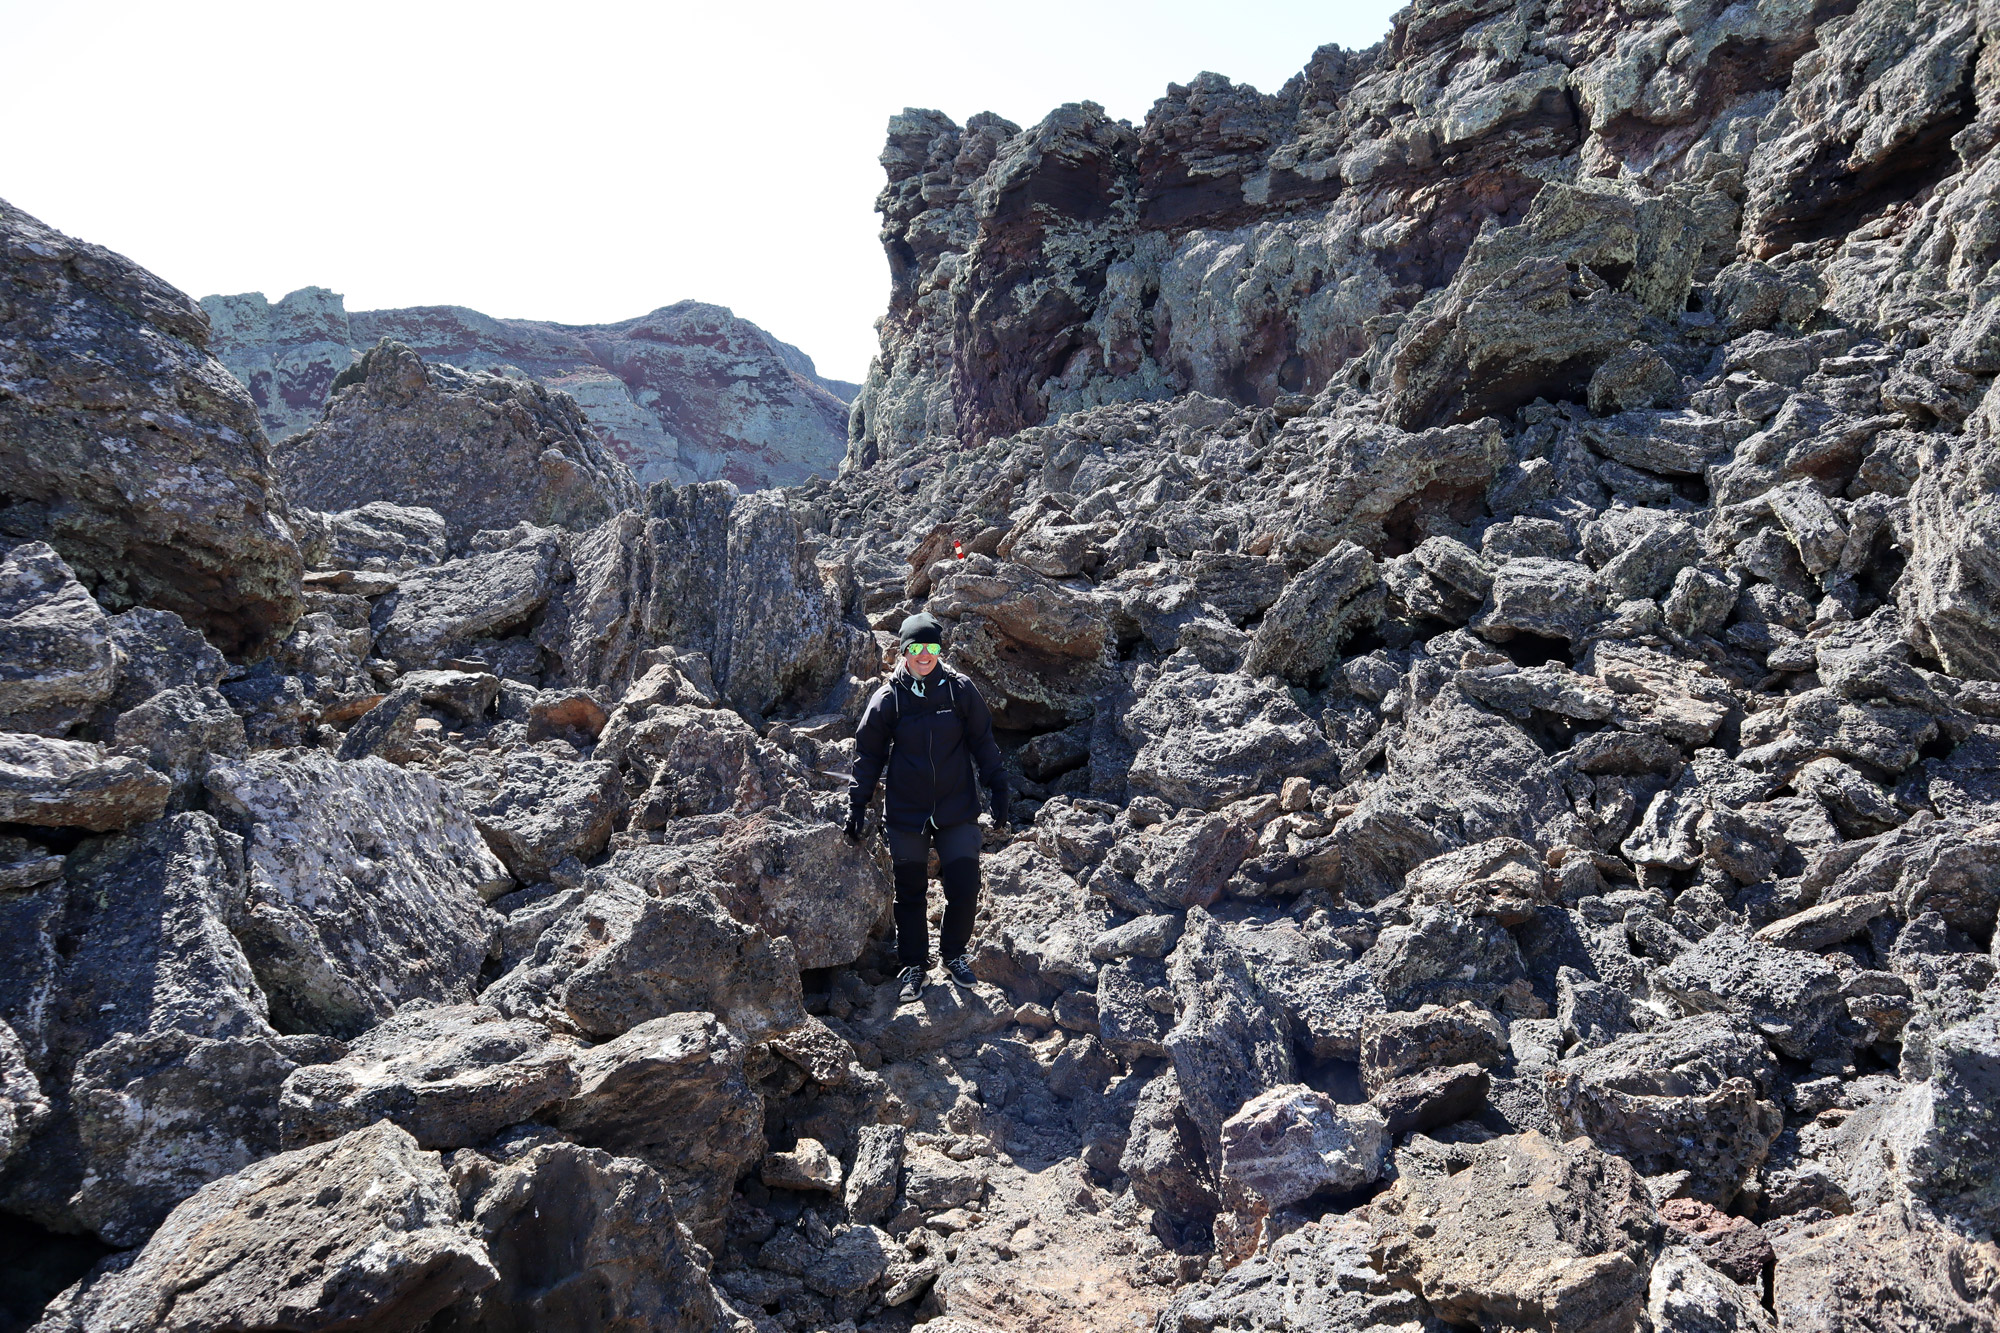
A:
583, 162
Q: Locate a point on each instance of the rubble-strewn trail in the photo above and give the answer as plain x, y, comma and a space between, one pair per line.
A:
1486, 563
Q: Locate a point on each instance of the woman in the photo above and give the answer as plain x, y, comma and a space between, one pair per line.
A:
929, 728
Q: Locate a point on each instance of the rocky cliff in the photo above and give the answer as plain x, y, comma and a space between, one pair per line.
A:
1507, 812
687, 393
1248, 245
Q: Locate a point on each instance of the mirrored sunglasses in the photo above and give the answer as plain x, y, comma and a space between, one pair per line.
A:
915, 649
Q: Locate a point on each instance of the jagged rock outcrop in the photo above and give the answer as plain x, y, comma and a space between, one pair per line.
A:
131, 450
687, 393
481, 451
367, 887
365, 1228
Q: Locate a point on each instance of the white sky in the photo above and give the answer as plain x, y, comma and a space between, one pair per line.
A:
579, 162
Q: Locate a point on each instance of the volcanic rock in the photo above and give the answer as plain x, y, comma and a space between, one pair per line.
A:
130, 450
672, 1092
481, 451
367, 887
579, 1239
362, 1229
452, 1075
1556, 1234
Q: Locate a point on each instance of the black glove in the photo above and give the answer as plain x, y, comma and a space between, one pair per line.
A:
852, 832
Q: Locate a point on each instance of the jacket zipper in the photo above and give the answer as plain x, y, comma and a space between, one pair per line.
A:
930, 750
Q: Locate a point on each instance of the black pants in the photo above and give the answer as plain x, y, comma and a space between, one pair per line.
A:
958, 867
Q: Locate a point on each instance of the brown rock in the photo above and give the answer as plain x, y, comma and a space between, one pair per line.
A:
1532, 1234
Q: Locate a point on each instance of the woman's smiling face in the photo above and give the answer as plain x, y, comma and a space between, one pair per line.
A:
921, 662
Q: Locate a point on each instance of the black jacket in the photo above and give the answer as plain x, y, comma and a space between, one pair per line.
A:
929, 743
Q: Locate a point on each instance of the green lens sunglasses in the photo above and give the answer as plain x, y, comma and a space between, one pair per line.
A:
917, 649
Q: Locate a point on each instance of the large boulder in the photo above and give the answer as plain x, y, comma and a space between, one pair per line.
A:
57, 660
75, 784
362, 1232
729, 578
452, 1075
1788, 995
1300, 636
672, 1092
435, 612
159, 1116
482, 451
1885, 1270
622, 956
1528, 313
1163, 1154
1948, 589
1205, 740
536, 809
368, 887
146, 1027
181, 732
582, 1241
1290, 1143
129, 449
1692, 1096
791, 877
1530, 1234
1229, 1043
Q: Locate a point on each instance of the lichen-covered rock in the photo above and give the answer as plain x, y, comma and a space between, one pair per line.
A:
131, 944
1790, 996
1887, 1269
1164, 1155
1530, 1234
722, 576
1693, 1096
129, 449
57, 659
452, 1075
22, 1106
1317, 1277
1227, 1045
362, 1231
181, 731
1393, 1045
1686, 1293
368, 887
159, 1116
793, 878
481, 451
622, 956
377, 537
1031, 645
75, 784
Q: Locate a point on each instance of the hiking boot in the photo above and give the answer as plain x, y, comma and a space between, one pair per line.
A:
961, 971
912, 978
